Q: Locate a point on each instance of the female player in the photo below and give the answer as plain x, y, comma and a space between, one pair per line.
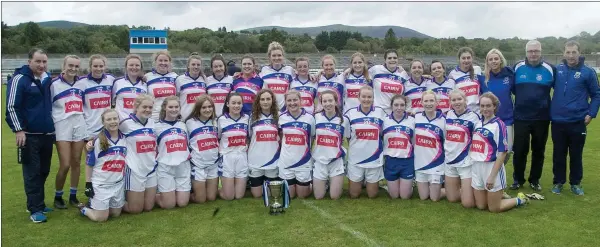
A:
295, 162
218, 85
140, 172
468, 78
173, 169
398, 157
430, 132
204, 146
67, 112
263, 152
441, 85
328, 153
388, 80
97, 95
330, 80
190, 85
233, 133
104, 171
364, 124
459, 130
357, 77
248, 83
303, 84
487, 153
161, 81
415, 86
277, 76
127, 88
500, 80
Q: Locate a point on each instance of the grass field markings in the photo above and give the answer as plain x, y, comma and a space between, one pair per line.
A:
359, 235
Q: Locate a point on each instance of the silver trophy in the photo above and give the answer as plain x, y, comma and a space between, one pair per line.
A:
276, 196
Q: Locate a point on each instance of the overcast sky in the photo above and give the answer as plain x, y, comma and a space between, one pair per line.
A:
450, 19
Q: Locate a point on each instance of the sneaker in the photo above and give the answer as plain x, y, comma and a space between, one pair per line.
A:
577, 190
535, 186
523, 198
557, 188
59, 203
46, 210
73, 201
515, 186
38, 217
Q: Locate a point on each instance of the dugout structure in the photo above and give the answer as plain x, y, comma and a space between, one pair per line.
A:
147, 41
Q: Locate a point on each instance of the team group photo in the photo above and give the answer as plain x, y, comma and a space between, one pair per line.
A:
179, 137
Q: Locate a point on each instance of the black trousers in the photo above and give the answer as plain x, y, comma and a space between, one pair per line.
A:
36, 159
526, 133
568, 138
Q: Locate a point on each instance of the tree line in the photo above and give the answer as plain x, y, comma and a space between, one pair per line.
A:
112, 39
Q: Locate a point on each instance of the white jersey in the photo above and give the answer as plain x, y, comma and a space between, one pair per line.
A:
398, 136
489, 139
329, 137
67, 99
218, 91
386, 84
141, 145
124, 93
336, 83
204, 142
470, 87
459, 130
172, 140
308, 92
263, 152
442, 90
353, 85
160, 86
429, 143
96, 99
295, 146
189, 89
414, 92
278, 81
233, 133
364, 131
107, 165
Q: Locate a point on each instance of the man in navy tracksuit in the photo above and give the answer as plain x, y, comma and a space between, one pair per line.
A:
29, 115
571, 112
533, 81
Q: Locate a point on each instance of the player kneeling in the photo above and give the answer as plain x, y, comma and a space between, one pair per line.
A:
104, 171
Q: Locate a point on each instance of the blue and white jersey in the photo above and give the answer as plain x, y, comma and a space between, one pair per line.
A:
189, 89
204, 142
296, 141
353, 85
107, 165
140, 141
124, 93
429, 143
335, 83
263, 152
67, 99
172, 142
329, 137
160, 86
414, 91
471, 87
398, 136
364, 129
386, 84
459, 131
233, 133
218, 91
489, 139
278, 80
247, 88
96, 99
442, 90
308, 92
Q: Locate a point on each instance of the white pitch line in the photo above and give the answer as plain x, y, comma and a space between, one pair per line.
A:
359, 235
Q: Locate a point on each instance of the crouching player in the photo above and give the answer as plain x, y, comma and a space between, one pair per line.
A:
104, 171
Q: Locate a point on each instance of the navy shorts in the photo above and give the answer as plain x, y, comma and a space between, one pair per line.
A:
396, 168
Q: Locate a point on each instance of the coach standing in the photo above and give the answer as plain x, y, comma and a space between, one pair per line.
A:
28, 113
571, 112
533, 80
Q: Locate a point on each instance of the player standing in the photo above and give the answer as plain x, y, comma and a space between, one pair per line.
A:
303, 84
161, 81
415, 86
190, 85
248, 83
218, 85
127, 88
330, 80
441, 85
388, 80
356, 78
277, 76
97, 95
468, 78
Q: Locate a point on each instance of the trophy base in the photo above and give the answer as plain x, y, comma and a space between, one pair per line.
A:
276, 211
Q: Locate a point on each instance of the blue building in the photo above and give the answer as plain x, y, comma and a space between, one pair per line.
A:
147, 41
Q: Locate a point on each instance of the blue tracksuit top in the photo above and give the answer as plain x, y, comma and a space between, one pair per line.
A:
532, 90
503, 85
